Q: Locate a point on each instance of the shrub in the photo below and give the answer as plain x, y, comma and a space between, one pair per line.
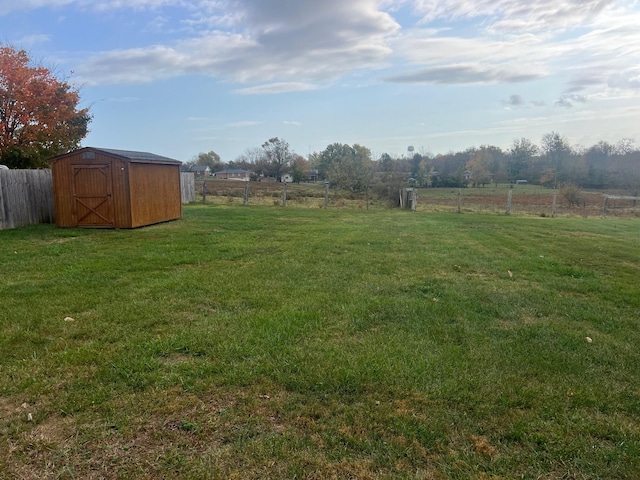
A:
571, 193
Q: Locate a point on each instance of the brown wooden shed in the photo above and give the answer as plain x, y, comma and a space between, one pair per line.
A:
107, 188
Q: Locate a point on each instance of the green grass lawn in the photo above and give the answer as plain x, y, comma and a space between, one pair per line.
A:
267, 342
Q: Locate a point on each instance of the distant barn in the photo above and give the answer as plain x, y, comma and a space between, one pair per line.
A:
106, 188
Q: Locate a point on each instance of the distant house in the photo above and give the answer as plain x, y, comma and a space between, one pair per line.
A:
233, 174
197, 170
311, 176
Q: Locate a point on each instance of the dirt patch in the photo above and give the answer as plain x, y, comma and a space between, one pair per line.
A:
63, 240
7, 408
176, 358
53, 430
482, 446
11, 409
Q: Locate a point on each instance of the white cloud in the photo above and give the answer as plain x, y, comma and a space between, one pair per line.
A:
10, 6
275, 88
515, 15
625, 80
570, 99
278, 46
274, 41
31, 40
426, 46
588, 44
104, 5
514, 101
518, 102
448, 59
132, 66
465, 74
243, 124
564, 102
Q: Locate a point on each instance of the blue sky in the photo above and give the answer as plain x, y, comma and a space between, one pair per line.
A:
178, 77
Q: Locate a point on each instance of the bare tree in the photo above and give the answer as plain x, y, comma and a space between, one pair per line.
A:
624, 146
277, 156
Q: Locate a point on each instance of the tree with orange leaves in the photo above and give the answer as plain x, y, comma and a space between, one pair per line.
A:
39, 114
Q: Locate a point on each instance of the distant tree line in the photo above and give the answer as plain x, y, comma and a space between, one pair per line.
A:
553, 163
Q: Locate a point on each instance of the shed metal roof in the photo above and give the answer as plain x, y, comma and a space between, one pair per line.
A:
131, 155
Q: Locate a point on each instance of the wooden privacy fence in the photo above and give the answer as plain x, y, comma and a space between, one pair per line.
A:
187, 187
26, 197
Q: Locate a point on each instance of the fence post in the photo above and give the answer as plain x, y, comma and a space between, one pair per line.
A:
509, 197
459, 200
326, 193
553, 206
284, 195
204, 191
604, 207
246, 193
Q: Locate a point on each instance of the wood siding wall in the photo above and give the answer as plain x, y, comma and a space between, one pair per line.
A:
26, 197
154, 192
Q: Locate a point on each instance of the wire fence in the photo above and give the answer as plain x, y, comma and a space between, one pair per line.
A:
520, 200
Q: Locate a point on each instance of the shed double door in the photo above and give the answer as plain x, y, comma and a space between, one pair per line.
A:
93, 195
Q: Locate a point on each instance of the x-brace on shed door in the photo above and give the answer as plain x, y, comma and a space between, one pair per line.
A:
92, 195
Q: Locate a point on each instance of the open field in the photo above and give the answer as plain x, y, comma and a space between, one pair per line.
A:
271, 342
527, 200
